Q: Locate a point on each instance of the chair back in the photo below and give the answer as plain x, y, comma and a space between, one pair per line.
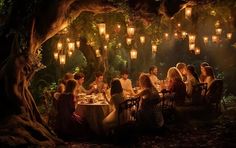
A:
215, 91
128, 109
199, 93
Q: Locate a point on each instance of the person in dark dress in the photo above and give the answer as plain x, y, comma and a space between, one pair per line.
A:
69, 124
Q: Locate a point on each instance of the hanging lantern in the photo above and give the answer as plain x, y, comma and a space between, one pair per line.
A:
176, 35
192, 38
229, 36
62, 59
102, 28
179, 25
154, 48
130, 31
70, 53
133, 54
128, 41
218, 31
98, 54
118, 26
184, 34
55, 55
197, 51
205, 39
142, 39
59, 46
71, 46
217, 24
77, 44
191, 46
105, 47
214, 38
68, 39
107, 37
166, 35
119, 45
188, 12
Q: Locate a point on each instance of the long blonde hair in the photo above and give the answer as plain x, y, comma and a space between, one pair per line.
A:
174, 74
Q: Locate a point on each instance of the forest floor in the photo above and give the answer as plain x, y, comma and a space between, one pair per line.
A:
191, 126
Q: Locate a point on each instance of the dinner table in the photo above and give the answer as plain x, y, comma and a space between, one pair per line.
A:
94, 108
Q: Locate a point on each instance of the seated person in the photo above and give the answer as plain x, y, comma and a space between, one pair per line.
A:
126, 84
67, 122
99, 85
80, 80
208, 72
117, 97
60, 90
149, 116
202, 76
192, 80
153, 77
176, 85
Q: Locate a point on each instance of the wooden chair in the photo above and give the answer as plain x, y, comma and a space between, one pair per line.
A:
167, 100
199, 93
127, 110
214, 94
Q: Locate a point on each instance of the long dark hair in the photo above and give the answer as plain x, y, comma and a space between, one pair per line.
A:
191, 69
116, 87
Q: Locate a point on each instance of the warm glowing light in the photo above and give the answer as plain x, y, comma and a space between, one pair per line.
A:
128, 41
176, 35
102, 28
142, 39
154, 48
188, 12
218, 31
107, 37
205, 39
213, 12
133, 54
71, 46
62, 59
192, 38
68, 39
229, 36
179, 25
59, 46
184, 34
105, 47
77, 44
191, 46
166, 35
130, 31
55, 55
119, 45
197, 51
214, 38
118, 26
217, 24
98, 54
70, 53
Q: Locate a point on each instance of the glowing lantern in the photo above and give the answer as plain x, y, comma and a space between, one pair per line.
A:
191, 46
176, 35
68, 39
98, 54
205, 39
62, 59
154, 48
197, 51
229, 36
71, 46
78, 44
55, 55
107, 37
188, 12
166, 35
179, 25
102, 28
133, 54
130, 31
118, 26
217, 24
105, 47
218, 31
128, 41
70, 53
192, 38
214, 38
59, 46
184, 34
142, 39
119, 45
